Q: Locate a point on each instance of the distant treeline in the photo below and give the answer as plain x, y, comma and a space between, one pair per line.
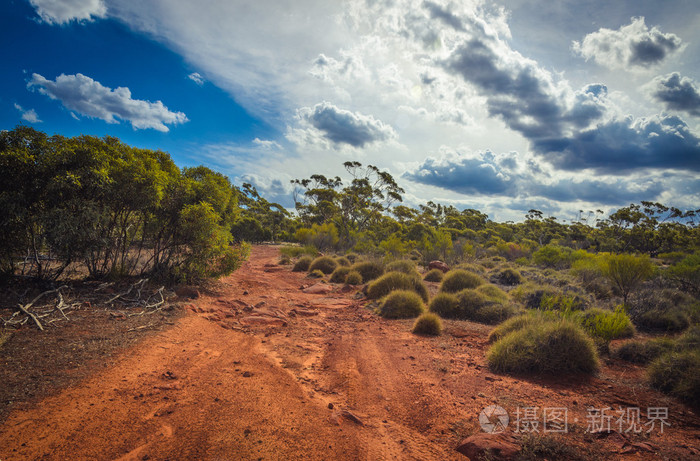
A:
99, 206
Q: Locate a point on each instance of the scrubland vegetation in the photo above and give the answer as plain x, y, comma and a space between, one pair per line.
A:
559, 292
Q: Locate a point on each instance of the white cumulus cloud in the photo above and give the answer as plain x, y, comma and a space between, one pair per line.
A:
88, 97
65, 11
28, 115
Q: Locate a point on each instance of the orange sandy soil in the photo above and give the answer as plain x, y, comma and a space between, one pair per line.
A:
253, 371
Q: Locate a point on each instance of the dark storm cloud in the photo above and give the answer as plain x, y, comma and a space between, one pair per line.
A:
676, 93
344, 127
438, 12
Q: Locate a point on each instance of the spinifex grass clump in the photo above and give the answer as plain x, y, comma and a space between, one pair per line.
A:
302, 264
342, 261
392, 281
339, 274
510, 325
353, 278
458, 279
369, 270
315, 274
508, 276
445, 305
434, 275
676, 373
544, 347
493, 293
644, 352
325, 264
428, 324
402, 265
402, 304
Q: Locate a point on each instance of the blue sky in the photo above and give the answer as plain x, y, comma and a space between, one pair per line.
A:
561, 106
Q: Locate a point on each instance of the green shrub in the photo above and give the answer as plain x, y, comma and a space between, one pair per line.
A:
339, 274
676, 373
284, 261
401, 304
352, 257
428, 324
302, 264
661, 310
392, 281
493, 293
672, 320
401, 265
316, 274
547, 347
690, 339
494, 313
369, 270
325, 264
469, 267
434, 275
468, 302
353, 278
626, 272
459, 279
445, 305
561, 302
530, 294
604, 324
553, 256
687, 273
296, 251
643, 351
343, 261
510, 325
508, 277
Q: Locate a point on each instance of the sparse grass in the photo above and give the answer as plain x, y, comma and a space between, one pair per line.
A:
369, 270
343, 261
428, 324
458, 279
434, 275
353, 278
643, 352
302, 264
5, 336
392, 281
401, 304
325, 264
445, 305
537, 447
470, 267
401, 265
339, 274
676, 373
316, 274
545, 347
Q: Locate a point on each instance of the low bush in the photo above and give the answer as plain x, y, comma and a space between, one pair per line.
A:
604, 324
531, 294
510, 325
369, 270
401, 265
553, 256
475, 268
392, 281
343, 261
493, 293
434, 275
676, 373
445, 305
643, 352
316, 274
508, 277
339, 274
325, 264
494, 313
459, 279
690, 339
547, 347
353, 278
428, 324
468, 302
284, 261
296, 251
302, 264
401, 304
352, 257
561, 302
671, 320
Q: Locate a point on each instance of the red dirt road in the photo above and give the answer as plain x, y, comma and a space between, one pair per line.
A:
254, 371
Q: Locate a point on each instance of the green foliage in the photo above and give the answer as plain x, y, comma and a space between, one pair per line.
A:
325, 264
353, 278
555, 347
687, 273
508, 277
394, 246
604, 324
690, 339
512, 324
560, 302
553, 256
674, 319
401, 304
428, 324
661, 310
322, 236
626, 272
294, 251
445, 305
676, 373
458, 279
302, 264
643, 352
402, 265
494, 313
343, 261
493, 293
434, 275
339, 274
369, 270
316, 274
392, 281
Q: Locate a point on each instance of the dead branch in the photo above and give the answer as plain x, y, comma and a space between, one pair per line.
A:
30, 315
